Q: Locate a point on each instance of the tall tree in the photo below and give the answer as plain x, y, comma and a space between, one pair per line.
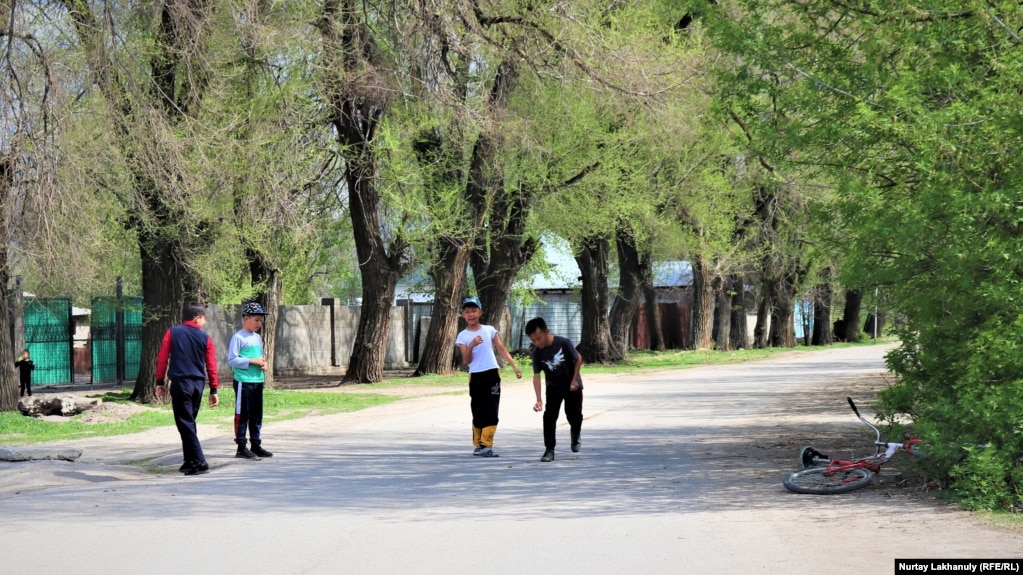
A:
705, 279
504, 246
451, 248
851, 326
154, 97
630, 289
595, 344
355, 89
8, 379
14, 126
739, 329
277, 166
822, 313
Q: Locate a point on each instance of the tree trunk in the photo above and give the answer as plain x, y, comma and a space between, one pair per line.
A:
9, 381
357, 102
379, 270
703, 303
760, 334
445, 166
629, 291
739, 336
653, 308
851, 315
822, 315
723, 315
783, 333
164, 293
165, 236
495, 269
595, 342
269, 284
448, 276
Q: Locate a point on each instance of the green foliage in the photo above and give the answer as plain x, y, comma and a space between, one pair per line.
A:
908, 111
978, 482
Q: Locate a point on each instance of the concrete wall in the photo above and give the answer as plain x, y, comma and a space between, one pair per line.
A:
310, 339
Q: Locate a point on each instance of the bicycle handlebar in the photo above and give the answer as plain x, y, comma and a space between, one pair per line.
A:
853, 406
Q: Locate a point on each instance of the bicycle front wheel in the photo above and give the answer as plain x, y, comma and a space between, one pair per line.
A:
815, 481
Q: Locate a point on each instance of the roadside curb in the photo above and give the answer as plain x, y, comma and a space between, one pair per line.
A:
40, 453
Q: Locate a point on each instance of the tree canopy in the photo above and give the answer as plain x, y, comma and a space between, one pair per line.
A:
908, 112
290, 150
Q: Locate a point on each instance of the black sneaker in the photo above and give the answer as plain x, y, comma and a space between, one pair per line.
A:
198, 468
185, 466
244, 453
547, 456
576, 444
258, 450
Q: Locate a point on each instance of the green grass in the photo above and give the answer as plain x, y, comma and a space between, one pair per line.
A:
675, 359
637, 361
280, 405
15, 428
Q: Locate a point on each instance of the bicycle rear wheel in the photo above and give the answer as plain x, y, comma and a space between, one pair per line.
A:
814, 481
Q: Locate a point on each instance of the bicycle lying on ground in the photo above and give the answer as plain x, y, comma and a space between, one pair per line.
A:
823, 475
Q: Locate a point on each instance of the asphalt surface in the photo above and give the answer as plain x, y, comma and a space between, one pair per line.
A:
664, 484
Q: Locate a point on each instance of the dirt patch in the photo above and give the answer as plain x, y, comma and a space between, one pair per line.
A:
826, 422
103, 413
112, 412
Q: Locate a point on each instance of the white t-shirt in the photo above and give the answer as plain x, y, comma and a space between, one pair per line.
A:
483, 357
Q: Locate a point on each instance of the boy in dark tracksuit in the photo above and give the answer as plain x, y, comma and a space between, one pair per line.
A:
245, 356
558, 359
25, 366
187, 358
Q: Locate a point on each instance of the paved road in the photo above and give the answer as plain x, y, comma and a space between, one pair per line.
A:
662, 485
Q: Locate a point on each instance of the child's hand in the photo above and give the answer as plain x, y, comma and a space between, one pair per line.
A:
538, 406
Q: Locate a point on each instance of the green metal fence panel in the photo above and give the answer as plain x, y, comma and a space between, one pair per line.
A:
116, 335
132, 306
48, 335
103, 334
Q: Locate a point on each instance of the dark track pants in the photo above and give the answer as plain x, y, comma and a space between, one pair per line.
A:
26, 387
484, 397
484, 400
556, 394
248, 412
186, 398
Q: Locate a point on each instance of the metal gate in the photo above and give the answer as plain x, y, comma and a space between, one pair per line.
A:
49, 334
116, 334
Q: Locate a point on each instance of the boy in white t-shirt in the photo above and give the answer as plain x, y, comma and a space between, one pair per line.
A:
478, 342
